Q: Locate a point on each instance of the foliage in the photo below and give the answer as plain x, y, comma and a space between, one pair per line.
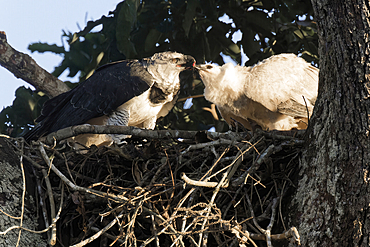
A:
26, 107
137, 29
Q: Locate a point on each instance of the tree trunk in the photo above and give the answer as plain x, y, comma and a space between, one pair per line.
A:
11, 190
331, 205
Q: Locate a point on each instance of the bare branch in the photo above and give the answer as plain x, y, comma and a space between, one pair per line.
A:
137, 132
24, 67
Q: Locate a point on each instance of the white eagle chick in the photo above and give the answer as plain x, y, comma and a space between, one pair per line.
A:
278, 93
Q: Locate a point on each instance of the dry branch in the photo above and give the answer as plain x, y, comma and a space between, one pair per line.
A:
24, 67
133, 131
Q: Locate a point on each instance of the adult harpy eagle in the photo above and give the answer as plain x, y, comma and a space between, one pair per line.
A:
131, 92
278, 93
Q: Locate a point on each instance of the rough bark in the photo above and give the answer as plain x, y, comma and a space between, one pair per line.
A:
332, 201
11, 189
25, 68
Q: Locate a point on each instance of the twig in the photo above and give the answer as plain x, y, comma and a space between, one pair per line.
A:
183, 228
191, 97
308, 112
204, 177
208, 210
99, 233
272, 220
292, 234
281, 195
252, 214
232, 202
161, 220
33, 162
246, 236
207, 144
131, 223
155, 231
75, 187
42, 203
156, 175
111, 237
200, 183
10, 216
231, 170
235, 164
49, 190
266, 232
212, 110
267, 153
23, 193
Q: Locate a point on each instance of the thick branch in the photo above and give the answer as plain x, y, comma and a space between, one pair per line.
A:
129, 130
24, 67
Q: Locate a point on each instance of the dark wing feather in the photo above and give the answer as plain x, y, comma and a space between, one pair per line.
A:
109, 87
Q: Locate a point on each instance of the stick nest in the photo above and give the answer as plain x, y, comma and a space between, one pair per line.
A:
200, 191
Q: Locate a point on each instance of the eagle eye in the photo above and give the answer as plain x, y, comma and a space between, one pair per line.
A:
175, 60
209, 67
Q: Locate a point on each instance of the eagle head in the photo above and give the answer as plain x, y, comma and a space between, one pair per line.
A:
166, 66
216, 76
221, 82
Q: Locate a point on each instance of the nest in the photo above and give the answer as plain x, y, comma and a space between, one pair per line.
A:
177, 189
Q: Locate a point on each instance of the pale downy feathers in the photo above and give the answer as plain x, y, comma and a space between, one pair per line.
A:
278, 93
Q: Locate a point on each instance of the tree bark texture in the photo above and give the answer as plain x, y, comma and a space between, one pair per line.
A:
331, 205
24, 67
11, 190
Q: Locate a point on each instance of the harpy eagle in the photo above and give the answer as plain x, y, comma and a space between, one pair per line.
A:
278, 93
127, 93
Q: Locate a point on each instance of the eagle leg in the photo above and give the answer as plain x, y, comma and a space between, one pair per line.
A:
120, 118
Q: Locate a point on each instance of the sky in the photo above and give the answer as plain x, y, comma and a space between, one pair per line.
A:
26, 22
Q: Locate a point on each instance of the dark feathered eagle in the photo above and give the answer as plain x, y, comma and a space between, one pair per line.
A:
127, 93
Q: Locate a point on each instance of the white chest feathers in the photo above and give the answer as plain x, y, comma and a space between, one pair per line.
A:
144, 113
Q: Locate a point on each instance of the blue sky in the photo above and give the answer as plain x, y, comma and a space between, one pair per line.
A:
25, 22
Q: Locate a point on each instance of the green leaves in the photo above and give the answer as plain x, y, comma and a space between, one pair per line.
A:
44, 47
153, 37
189, 15
126, 20
26, 107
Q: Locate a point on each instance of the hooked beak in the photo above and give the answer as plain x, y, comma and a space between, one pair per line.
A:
201, 67
189, 64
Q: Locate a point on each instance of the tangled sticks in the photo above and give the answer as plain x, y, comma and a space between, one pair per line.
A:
221, 189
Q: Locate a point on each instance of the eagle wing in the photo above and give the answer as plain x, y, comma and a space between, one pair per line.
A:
283, 83
109, 87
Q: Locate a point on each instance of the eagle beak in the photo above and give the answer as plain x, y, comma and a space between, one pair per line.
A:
189, 64
201, 68
198, 69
